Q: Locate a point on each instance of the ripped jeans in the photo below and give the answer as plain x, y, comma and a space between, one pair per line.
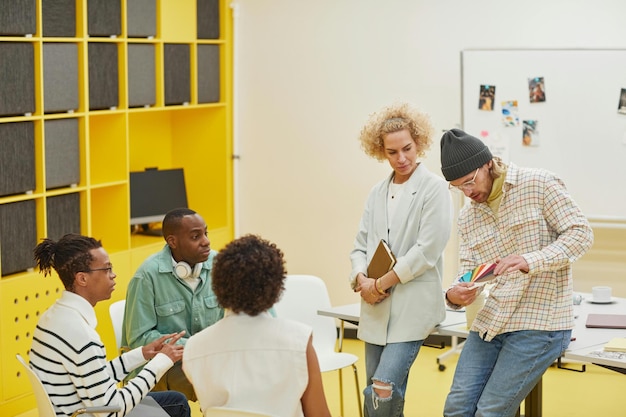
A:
388, 365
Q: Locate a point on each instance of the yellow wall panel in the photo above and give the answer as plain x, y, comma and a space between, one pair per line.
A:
23, 299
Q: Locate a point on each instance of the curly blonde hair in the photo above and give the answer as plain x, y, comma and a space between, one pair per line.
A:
395, 118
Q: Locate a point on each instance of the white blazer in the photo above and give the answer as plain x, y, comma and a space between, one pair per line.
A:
418, 235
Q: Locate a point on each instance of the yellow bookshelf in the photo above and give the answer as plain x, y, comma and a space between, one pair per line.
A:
112, 142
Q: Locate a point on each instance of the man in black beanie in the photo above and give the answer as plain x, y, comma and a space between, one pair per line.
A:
462, 154
525, 221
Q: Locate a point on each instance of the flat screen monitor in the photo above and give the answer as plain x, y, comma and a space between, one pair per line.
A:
154, 192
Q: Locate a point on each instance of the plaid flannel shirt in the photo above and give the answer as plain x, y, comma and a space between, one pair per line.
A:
538, 220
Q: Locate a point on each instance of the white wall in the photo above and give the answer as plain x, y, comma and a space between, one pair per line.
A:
308, 73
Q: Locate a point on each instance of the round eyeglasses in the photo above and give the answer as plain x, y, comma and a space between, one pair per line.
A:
466, 184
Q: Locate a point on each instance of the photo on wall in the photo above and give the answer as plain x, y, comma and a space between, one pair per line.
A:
510, 118
536, 90
530, 134
621, 108
486, 97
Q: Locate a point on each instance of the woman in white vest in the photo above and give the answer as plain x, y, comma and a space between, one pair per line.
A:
251, 360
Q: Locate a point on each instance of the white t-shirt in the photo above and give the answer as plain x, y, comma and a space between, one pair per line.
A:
393, 196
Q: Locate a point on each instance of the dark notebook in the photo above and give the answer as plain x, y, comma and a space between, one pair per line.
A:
382, 261
606, 321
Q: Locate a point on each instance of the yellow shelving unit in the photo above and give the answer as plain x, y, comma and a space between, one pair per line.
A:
113, 142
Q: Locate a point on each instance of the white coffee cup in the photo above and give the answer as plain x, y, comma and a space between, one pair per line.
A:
601, 294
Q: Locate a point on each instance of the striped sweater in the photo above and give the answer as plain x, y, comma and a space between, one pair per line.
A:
69, 357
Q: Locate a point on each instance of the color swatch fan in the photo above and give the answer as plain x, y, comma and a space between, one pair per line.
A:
480, 275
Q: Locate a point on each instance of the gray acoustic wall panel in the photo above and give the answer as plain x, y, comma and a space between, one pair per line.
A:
18, 17
59, 18
208, 73
141, 75
104, 17
177, 73
208, 19
17, 78
63, 215
141, 18
62, 153
60, 77
103, 76
18, 236
17, 158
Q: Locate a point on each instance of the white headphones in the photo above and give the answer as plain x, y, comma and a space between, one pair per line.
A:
184, 271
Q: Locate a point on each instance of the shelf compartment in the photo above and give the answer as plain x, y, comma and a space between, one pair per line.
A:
104, 17
141, 18
176, 21
107, 151
17, 158
193, 138
208, 19
63, 215
18, 222
58, 18
103, 75
208, 73
18, 17
62, 152
141, 75
110, 206
177, 73
60, 77
17, 89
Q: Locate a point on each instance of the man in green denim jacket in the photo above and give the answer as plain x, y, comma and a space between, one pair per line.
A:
171, 291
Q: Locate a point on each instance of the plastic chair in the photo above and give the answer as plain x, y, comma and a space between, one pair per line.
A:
232, 412
44, 405
116, 312
304, 295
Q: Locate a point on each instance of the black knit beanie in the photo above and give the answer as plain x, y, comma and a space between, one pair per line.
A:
461, 154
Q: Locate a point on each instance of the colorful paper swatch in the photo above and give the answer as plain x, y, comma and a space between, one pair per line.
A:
481, 274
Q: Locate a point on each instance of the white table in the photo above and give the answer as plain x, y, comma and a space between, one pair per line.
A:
590, 340
585, 340
351, 313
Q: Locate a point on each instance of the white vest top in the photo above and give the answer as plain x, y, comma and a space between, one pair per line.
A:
256, 363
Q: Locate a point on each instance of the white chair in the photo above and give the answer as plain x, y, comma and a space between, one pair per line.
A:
304, 295
116, 312
44, 405
232, 412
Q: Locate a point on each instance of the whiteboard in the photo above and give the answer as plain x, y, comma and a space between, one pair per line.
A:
580, 135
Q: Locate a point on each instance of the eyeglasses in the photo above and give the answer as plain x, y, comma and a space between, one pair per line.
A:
466, 184
109, 269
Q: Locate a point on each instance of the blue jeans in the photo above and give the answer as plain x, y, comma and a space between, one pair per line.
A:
492, 378
173, 402
388, 364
